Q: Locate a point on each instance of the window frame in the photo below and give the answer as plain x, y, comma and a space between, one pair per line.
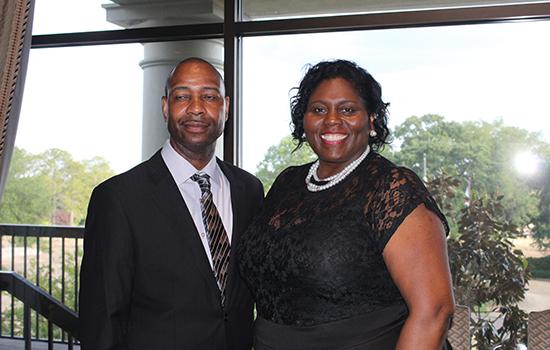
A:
233, 29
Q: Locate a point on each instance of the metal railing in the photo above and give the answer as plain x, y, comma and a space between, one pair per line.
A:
46, 259
34, 298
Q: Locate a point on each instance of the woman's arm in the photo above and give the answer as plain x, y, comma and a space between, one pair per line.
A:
416, 257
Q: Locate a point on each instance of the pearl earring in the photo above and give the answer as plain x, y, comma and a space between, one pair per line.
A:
372, 133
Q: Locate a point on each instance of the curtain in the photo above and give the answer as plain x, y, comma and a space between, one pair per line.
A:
15, 41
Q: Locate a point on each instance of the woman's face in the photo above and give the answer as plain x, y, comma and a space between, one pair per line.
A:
336, 125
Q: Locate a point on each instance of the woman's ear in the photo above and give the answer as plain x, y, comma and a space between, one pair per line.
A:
372, 117
372, 132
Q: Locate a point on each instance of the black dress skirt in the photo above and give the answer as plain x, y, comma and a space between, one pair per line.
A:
379, 330
375, 331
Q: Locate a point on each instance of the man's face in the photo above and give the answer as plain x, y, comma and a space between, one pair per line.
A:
196, 109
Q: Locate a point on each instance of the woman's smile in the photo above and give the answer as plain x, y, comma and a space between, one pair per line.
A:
336, 125
333, 138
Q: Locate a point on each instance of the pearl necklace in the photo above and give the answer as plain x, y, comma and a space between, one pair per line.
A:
334, 179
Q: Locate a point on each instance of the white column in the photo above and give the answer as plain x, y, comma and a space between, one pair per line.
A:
159, 60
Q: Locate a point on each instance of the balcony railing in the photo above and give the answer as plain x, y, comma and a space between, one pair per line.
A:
48, 258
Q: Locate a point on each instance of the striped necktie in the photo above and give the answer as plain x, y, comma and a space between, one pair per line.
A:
217, 237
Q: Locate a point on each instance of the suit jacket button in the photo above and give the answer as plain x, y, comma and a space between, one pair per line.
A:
225, 316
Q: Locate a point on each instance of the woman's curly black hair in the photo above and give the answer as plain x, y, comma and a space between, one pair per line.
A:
368, 89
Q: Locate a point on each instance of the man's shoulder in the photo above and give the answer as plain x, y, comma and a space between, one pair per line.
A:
132, 178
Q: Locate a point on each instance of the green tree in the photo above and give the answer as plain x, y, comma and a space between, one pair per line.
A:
280, 157
489, 275
24, 199
479, 154
541, 223
93, 171
41, 186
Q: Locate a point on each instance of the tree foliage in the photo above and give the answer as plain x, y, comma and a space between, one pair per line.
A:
280, 157
541, 222
40, 186
489, 274
480, 155
24, 199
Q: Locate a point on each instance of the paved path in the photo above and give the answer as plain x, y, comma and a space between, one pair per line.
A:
537, 297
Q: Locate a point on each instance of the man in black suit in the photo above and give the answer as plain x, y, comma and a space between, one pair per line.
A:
148, 277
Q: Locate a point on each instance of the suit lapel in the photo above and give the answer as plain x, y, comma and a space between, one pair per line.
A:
167, 197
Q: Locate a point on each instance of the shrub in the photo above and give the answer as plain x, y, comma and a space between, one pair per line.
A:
539, 267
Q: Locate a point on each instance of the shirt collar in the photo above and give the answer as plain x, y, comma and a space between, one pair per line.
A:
181, 169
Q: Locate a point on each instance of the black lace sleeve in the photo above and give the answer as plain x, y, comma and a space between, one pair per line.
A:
397, 195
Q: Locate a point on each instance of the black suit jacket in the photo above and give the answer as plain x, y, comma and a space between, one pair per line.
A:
146, 282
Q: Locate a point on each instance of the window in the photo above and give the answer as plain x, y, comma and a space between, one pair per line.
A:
85, 100
485, 72
477, 69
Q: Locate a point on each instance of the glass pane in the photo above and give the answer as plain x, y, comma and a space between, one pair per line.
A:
263, 9
84, 100
65, 16
444, 70
86, 116
470, 102
80, 123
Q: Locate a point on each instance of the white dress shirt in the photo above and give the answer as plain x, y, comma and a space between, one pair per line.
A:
182, 170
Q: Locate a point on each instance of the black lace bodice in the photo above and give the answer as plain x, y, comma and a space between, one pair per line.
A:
316, 257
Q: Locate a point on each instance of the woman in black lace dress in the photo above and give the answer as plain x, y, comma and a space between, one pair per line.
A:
349, 252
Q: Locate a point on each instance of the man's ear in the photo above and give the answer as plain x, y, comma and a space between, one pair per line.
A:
227, 100
165, 108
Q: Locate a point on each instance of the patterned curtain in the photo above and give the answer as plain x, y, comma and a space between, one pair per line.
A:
15, 41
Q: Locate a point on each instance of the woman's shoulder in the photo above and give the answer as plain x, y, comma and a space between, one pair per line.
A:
289, 177
402, 190
386, 170
293, 171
